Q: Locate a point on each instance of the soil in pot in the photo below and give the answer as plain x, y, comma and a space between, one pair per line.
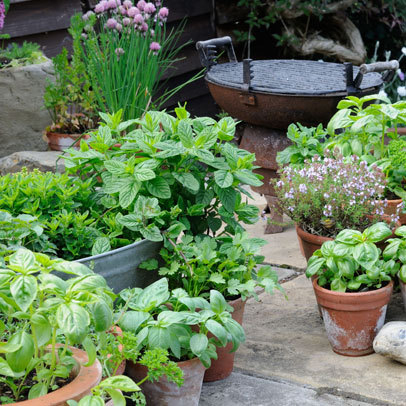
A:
84, 379
164, 393
222, 367
352, 320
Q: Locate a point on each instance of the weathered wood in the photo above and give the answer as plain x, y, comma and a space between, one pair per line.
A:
34, 17
51, 42
179, 9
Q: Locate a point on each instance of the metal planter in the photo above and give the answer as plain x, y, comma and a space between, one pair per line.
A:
120, 266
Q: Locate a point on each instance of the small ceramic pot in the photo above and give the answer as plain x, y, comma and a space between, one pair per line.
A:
353, 319
167, 393
61, 142
85, 379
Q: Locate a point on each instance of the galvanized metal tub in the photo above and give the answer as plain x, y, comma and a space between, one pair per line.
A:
120, 266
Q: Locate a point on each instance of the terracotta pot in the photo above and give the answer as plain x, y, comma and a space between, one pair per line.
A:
391, 209
61, 142
352, 320
222, 367
85, 379
164, 393
308, 242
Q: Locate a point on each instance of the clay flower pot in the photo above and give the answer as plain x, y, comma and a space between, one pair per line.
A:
308, 242
222, 367
352, 320
61, 142
85, 379
168, 393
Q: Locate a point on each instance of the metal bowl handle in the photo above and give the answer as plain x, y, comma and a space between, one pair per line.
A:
208, 50
389, 67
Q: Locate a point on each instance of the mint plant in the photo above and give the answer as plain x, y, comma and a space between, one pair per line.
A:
163, 318
353, 262
169, 174
230, 265
44, 305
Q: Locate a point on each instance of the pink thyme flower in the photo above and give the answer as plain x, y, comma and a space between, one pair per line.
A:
111, 23
133, 11
141, 5
155, 47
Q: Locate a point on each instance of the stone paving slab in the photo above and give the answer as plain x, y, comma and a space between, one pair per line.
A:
286, 341
244, 390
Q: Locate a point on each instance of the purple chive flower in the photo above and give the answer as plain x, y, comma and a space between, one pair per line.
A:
111, 23
87, 15
122, 10
401, 75
133, 11
155, 47
144, 27
127, 4
2, 14
126, 21
149, 8
119, 51
99, 7
138, 19
119, 27
163, 13
141, 4
113, 3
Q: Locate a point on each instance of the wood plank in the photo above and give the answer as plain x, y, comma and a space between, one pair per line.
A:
39, 16
227, 12
51, 42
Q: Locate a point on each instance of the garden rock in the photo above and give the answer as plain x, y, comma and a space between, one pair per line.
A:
391, 341
44, 161
22, 116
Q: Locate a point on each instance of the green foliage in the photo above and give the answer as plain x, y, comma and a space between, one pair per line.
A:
352, 262
171, 173
307, 142
123, 71
16, 55
228, 265
395, 253
163, 318
43, 304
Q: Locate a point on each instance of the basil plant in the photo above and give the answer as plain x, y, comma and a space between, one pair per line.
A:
231, 265
179, 323
43, 309
353, 262
395, 252
165, 172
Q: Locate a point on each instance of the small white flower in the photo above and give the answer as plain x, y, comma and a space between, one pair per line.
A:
401, 91
404, 50
383, 93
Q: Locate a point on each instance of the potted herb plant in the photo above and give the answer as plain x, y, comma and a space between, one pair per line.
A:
230, 265
353, 287
174, 321
326, 196
42, 308
373, 132
60, 215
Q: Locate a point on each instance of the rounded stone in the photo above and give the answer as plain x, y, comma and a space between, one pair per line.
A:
391, 341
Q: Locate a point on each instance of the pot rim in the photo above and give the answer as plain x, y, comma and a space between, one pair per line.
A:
73, 390
316, 286
302, 232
